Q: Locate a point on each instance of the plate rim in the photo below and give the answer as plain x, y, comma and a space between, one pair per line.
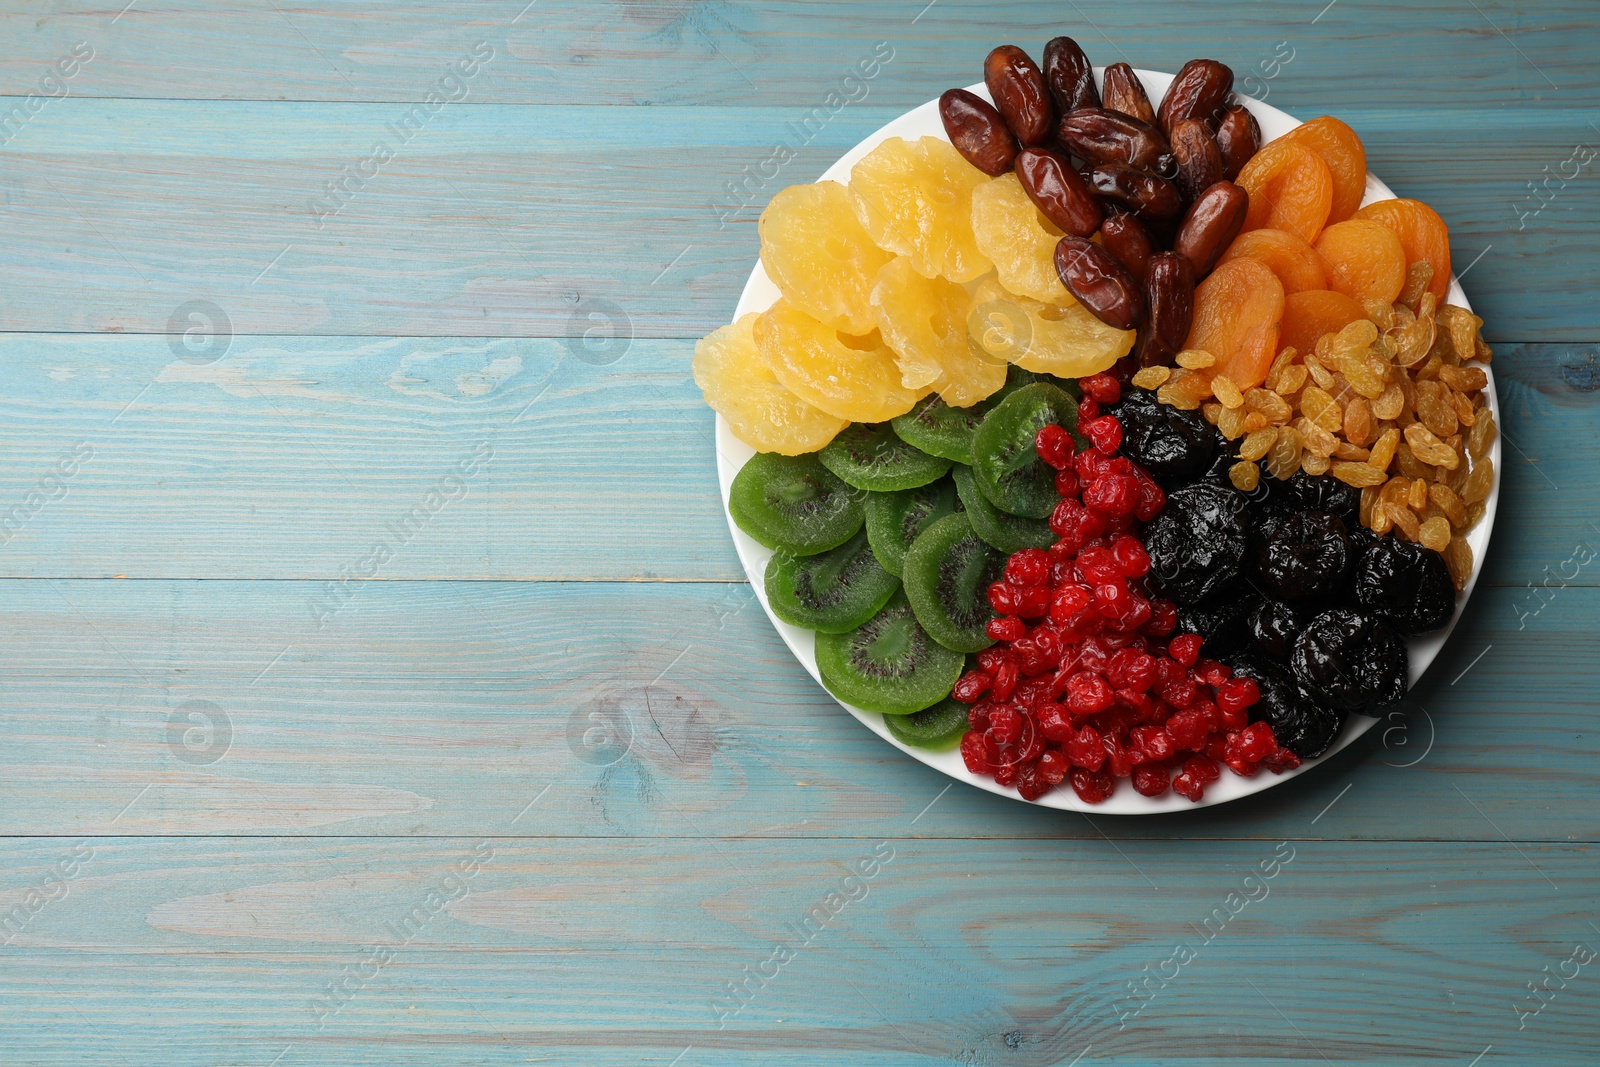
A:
759, 293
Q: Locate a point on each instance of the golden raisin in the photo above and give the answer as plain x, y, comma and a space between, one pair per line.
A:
1358, 474
1244, 475
1435, 533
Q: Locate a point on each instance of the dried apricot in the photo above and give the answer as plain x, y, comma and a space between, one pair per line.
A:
1290, 188
1365, 260
1342, 151
1422, 234
1298, 266
1309, 315
1236, 315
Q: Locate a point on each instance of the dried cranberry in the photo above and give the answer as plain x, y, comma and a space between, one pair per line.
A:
1105, 432
991, 658
1005, 680
1002, 598
1005, 725
1104, 388
1053, 767
1084, 749
1006, 628
1132, 560
1163, 617
1054, 445
1092, 787
1067, 483
1088, 693
1154, 742
1189, 728
1088, 410
1185, 648
972, 754
1114, 494
1150, 779
1056, 722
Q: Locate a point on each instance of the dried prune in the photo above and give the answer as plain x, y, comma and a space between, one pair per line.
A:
1172, 444
1274, 626
1299, 721
1406, 585
1323, 492
978, 131
1306, 556
1222, 620
1351, 661
1197, 544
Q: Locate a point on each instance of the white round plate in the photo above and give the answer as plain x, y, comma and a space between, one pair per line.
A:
759, 294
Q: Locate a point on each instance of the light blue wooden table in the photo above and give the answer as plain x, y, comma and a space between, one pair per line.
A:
378, 682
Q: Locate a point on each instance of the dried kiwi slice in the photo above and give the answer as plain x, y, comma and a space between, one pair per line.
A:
1008, 533
794, 504
947, 577
834, 591
888, 664
938, 727
1004, 462
872, 456
941, 430
894, 520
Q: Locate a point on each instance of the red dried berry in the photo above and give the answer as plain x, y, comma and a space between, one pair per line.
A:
1055, 722
1002, 598
1053, 767
1092, 787
1236, 694
1163, 618
1114, 494
1185, 648
972, 754
1189, 728
1067, 483
1150, 779
1132, 560
1102, 387
1105, 432
1054, 445
1005, 725
970, 686
1088, 410
1088, 693
1031, 566
1005, 680
1085, 749
1006, 628
1153, 742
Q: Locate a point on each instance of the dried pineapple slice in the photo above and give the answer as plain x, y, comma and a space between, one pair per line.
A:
849, 377
1064, 340
819, 255
925, 321
740, 386
915, 199
1022, 243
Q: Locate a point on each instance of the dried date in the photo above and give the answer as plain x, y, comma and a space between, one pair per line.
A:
1058, 191
1147, 195
978, 131
1169, 308
1101, 136
1101, 284
1199, 160
1200, 91
1124, 92
1238, 138
1213, 221
1019, 93
1126, 238
1070, 75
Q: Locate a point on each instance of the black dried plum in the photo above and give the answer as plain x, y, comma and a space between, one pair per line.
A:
1324, 492
1172, 444
1273, 627
1197, 543
1222, 620
1305, 555
1405, 585
1299, 721
1351, 661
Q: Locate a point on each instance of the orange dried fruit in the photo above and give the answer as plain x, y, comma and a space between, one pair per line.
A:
819, 256
1365, 260
1422, 233
1296, 263
1237, 311
924, 320
915, 199
1342, 151
849, 377
740, 386
1290, 188
1309, 315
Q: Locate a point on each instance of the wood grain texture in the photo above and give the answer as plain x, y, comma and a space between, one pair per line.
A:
621, 952
657, 710
292, 457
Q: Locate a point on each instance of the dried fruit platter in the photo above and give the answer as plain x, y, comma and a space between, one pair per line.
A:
760, 293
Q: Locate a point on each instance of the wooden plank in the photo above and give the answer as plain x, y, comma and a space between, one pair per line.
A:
185, 953
656, 710
572, 52
510, 220
291, 457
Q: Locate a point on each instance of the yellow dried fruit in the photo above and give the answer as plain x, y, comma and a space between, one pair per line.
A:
924, 320
740, 386
1065, 341
1184, 390
1151, 377
820, 256
1315, 438
1244, 475
1358, 421
1274, 407
1283, 458
1464, 379
1380, 522
1358, 474
1280, 363
1230, 421
1417, 495
1429, 449
1319, 374
849, 377
1479, 482
1435, 533
1290, 381
1390, 403
1404, 520
915, 199
1383, 451
1194, 359
1444, 498
1320, 408
1312, 463
1458, 557
1223, 389
1369, 500
1466, 414
1256, 444
1019, 240
1435, 411
1346, 450
1481, 437
1418, 275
